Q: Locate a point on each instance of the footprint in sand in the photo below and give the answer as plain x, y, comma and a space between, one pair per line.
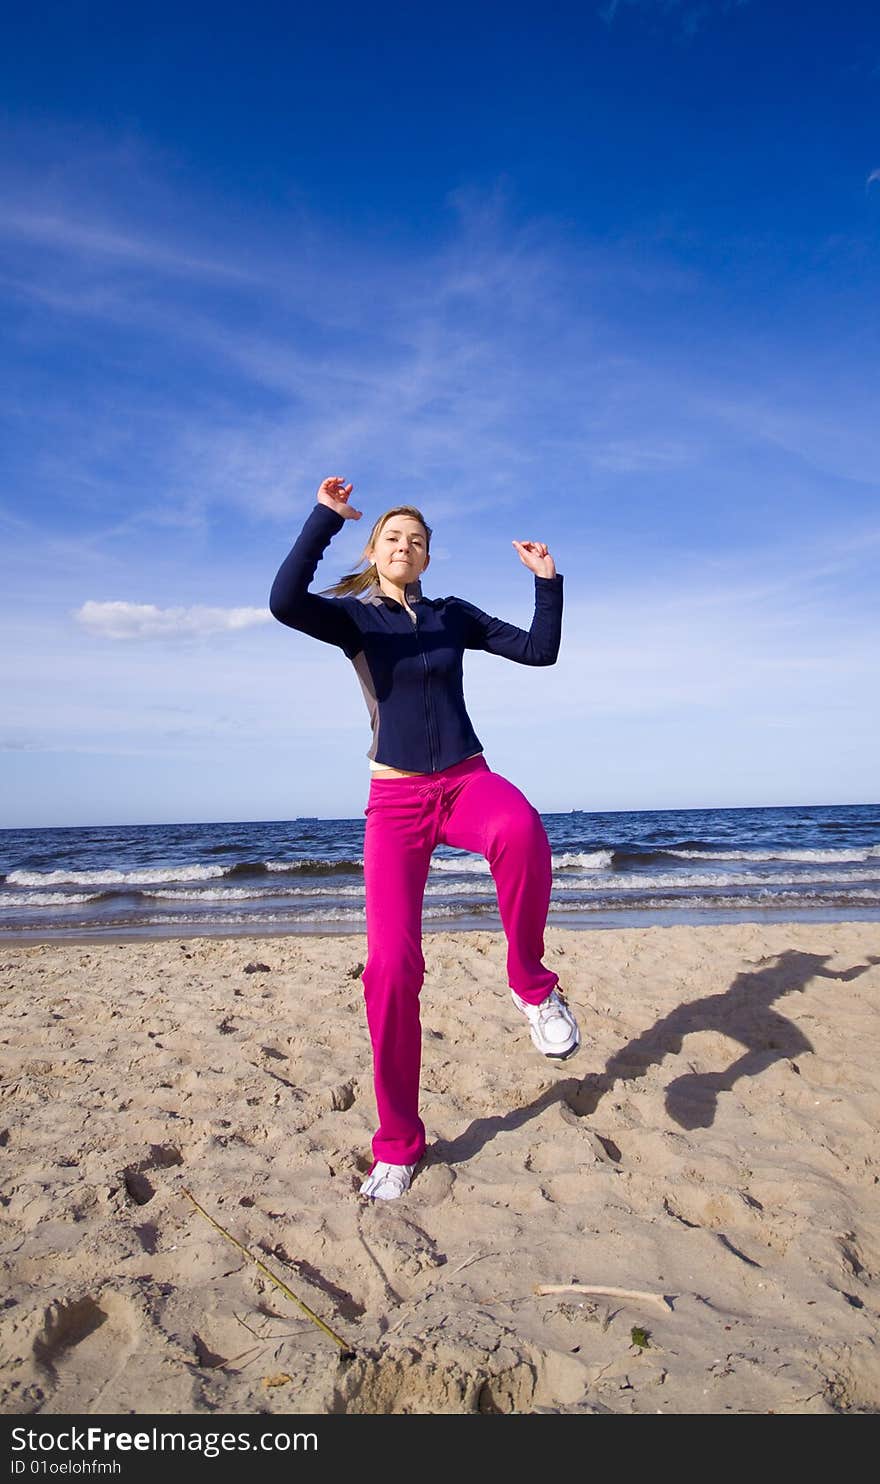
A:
79, 1346
136, 1177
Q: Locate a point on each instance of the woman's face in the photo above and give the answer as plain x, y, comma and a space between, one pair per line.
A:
400, 550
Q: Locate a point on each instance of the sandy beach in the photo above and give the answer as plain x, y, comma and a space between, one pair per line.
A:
711, 1150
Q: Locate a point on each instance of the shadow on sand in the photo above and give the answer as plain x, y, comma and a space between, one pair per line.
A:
744, 1013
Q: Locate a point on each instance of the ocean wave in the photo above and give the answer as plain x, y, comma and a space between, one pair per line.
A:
569, 861
685, 880
588, 884
830, 824
49, 899
465, 865
455, 889
145, 875
841, 856
243, 893
589, 860
860, 897
240, 893
486, 911
153, 875
329, 914
472, 885
585, 860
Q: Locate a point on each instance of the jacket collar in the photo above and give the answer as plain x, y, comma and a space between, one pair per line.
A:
374, 594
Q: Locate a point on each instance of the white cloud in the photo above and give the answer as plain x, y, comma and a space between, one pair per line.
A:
146, 621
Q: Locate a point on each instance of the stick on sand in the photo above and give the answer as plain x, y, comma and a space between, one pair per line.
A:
346, 1349
637, 1294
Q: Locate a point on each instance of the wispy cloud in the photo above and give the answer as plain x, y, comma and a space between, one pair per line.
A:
490, 331
146, 621
89, 239
706, 485
496, 369
633, 456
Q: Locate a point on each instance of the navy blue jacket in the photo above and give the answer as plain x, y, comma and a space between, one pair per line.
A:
411, 673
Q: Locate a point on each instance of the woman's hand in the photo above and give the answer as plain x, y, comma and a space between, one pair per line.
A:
535, 556
334, 492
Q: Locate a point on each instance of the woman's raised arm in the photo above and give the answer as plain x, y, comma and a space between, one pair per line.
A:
290, 600
537, 645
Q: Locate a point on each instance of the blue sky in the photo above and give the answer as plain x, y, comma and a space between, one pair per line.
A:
602, 275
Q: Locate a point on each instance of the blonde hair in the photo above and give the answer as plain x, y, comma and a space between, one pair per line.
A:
358, 582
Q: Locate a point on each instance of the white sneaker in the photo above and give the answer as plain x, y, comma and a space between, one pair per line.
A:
386, 1182
552, 1026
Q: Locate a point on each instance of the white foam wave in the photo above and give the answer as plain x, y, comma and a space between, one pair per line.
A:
245, 894
233, 919
587, 860
456, 889
311, 863
684, 880
48, 899
631, 882
220, 919
767, 899
146, 875
328, 914
477, 909
840, 857
794, 901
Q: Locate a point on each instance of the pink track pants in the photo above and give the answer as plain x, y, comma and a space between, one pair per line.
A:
471, 808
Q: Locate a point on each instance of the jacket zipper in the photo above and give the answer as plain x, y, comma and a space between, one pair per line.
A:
431, 754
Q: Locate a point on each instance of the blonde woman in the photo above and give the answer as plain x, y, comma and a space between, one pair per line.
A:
430, 785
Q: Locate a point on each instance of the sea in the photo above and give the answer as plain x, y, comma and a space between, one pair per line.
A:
816, 863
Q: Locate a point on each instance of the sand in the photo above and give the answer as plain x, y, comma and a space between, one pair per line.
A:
712, 1144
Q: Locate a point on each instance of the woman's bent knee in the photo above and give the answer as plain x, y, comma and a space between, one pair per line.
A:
520, 829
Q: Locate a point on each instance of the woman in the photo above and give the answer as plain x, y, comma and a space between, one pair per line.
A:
430, 785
